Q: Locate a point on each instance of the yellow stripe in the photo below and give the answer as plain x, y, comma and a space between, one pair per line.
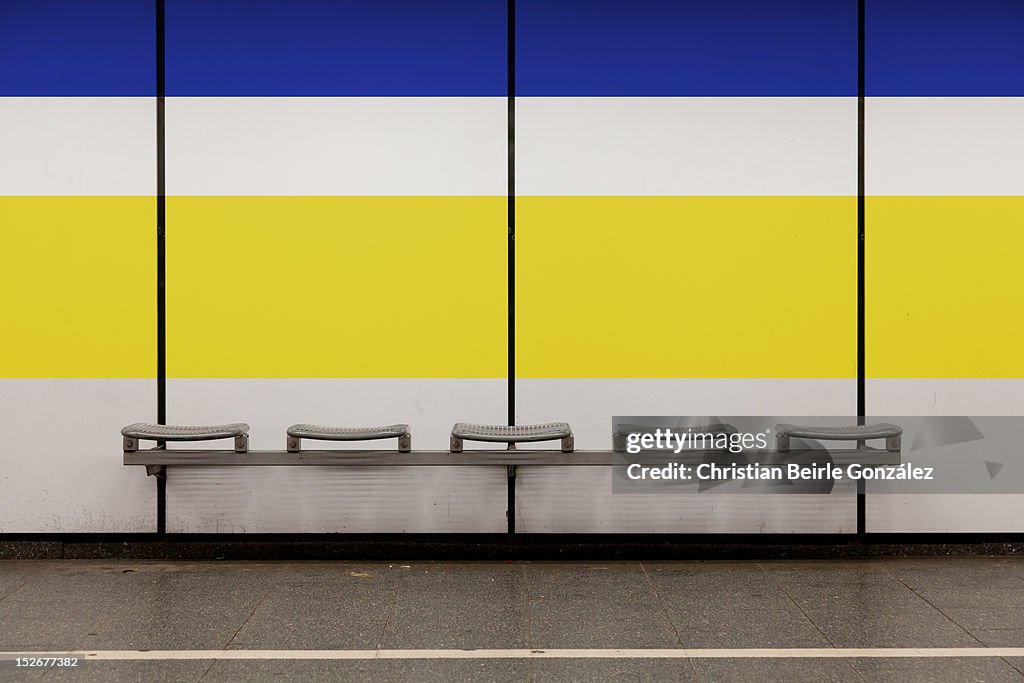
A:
945, 289
686, 286
337, 286
607, 287
77, 287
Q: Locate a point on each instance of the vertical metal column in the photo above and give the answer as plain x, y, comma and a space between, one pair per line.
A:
861, 365
161, 261
511, 86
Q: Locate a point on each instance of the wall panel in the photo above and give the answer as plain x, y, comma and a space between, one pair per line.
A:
77, 262
337, 248
686, 182
337, 244
945, 215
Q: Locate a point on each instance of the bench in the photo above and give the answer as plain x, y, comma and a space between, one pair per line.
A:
511, 434
158, 459
143, 431
565, 454
860, 433
296, 433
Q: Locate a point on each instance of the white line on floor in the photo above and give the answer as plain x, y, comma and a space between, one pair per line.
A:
610, 653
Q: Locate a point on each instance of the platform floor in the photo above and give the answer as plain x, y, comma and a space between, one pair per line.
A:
229, 621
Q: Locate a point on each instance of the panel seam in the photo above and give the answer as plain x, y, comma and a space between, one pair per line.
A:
511, 263
861, 293
161, 257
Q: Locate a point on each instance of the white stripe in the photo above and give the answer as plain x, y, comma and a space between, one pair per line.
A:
573, 500
295, 146
578, 500
364, 500
728, 146
304, 499
609, 653
60, 459
940, 146
589, 404
77, 146
430, 406
945, 396
945, 513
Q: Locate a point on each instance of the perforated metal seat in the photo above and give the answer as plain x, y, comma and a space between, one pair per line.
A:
320, 433
620, 434
881, 430
142, 431
512, 434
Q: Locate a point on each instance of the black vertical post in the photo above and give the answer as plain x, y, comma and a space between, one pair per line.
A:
861, 369
161, 262
511, 58
511, 88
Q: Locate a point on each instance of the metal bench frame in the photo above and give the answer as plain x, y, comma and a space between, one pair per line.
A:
476, 458
157, 459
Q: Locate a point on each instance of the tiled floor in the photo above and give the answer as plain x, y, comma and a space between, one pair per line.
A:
972, 602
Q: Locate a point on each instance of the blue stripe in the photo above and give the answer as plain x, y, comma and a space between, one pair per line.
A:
945, 48
565, 48
757, 48
75, 48
355, 48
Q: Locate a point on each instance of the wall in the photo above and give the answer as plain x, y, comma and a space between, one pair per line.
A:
945, 211
77, 262
337, 209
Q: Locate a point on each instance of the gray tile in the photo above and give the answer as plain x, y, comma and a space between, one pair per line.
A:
877, 614
1010, 598
197, 606
731, 605
874, 598
11, 582
364, 670
141, 671
9, 671
58, 609
982, 669
959, 572
344, 607
824, 573
1016, 662
460, 606
860, 626
581, 606
984, 617
183, 605
543, 670
726, 569
718, 628
727, 587
760, 670
140, 606
304, 571
1000, 637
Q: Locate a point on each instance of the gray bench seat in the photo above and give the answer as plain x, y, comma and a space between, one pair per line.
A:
321, 433
881, 430
512, 434
142, 431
